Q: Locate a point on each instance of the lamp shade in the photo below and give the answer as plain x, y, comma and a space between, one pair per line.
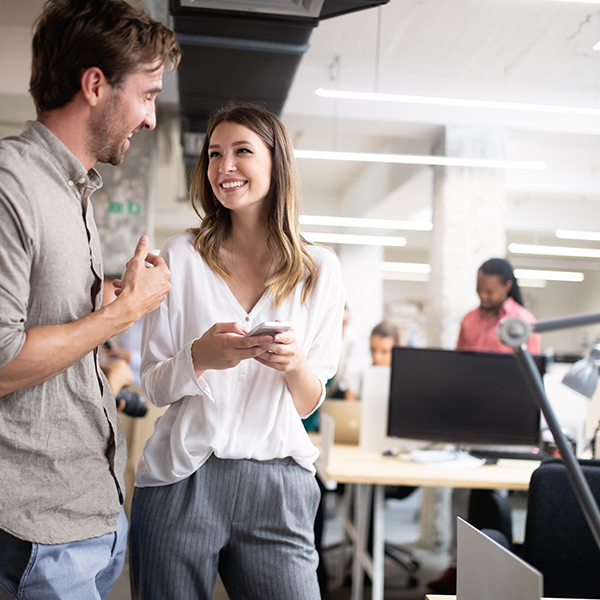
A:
583, 375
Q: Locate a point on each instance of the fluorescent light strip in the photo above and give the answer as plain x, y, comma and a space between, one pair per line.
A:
411, 159
567, 234
403, 267
362, 240
579, 1
549, 275
533, 283
463, 102
553, 250
423, 277
365, 223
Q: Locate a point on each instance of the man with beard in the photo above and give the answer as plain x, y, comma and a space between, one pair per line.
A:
97, 69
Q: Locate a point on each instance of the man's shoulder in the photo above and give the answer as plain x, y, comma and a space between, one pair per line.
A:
13, 147
19, 154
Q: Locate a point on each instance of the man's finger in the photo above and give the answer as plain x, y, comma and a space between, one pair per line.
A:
142, 247
154, 260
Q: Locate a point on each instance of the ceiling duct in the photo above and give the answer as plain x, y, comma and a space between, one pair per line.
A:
245, 50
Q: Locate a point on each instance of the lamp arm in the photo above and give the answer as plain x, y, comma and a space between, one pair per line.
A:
578, 482
566, 323
514, 332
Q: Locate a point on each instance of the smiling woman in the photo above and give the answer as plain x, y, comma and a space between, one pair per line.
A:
230, 461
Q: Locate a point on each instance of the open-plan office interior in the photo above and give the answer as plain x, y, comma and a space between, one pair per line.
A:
430, 135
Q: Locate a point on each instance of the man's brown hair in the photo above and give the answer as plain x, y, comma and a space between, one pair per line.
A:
73, 35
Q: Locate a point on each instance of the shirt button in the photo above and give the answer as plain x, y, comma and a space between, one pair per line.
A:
82, 180
70, 183
247, 318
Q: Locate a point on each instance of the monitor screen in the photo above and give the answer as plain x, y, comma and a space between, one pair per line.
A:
457, 396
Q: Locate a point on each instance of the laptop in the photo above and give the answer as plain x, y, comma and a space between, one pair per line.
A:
346, 415
488, 571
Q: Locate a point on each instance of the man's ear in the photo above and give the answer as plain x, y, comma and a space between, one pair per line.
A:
93, 85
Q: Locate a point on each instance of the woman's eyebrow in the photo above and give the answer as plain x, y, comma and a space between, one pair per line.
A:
240, 143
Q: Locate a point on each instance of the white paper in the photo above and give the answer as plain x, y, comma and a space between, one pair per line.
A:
447, 460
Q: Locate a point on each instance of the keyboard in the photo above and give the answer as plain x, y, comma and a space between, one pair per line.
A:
494, 455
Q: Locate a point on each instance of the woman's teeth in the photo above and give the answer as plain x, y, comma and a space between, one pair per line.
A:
232, 184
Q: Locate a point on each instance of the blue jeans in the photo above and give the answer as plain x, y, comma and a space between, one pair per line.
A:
85, 570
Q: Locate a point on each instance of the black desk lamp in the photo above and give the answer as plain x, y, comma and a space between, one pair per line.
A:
514, 332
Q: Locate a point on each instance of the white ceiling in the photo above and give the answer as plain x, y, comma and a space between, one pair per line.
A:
526, 51
529, 51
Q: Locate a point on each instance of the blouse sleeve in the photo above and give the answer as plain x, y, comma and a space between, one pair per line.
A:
328, 302
167, 370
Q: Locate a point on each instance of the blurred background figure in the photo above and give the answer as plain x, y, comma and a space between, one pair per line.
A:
120, 359
500, 297
384, 337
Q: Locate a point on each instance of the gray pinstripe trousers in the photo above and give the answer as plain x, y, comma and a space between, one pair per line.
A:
250, 520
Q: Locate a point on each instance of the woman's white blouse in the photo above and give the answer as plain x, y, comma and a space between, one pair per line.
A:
243, 412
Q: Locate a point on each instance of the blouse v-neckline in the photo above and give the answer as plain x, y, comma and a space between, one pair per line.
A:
235, 302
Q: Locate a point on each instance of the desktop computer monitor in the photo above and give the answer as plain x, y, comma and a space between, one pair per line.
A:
462, 397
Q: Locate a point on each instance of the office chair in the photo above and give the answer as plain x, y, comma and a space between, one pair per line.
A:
400, 554
558, 540
488, 509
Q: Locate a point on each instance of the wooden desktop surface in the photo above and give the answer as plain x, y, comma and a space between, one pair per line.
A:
437, 597
347, 464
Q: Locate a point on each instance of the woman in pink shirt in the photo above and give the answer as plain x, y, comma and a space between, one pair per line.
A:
500, 297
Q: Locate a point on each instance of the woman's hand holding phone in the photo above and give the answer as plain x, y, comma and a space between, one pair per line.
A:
224, 346
283, 353
271, 328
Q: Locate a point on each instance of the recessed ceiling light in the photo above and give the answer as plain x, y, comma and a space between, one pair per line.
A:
553, 250
413, 159
533, 283
548, 275
345, 238
462, 102
568, 234
388, 276
405, 267
365, 223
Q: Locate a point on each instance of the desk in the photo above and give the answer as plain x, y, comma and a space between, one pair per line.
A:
347, 464
434, 597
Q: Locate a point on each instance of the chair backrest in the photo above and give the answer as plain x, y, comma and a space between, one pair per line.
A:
488, 509
558, 540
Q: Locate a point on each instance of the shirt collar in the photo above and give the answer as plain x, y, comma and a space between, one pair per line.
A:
66, 162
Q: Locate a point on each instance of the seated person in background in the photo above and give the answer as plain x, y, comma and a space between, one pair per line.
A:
119, 375
500, 297
383, 338
120, 360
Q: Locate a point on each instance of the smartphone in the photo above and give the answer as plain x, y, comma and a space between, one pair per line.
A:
269, 328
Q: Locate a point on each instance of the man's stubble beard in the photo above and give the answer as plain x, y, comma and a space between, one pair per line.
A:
106, 135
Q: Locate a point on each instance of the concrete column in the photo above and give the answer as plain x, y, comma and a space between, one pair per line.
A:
468, 226
361, 275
